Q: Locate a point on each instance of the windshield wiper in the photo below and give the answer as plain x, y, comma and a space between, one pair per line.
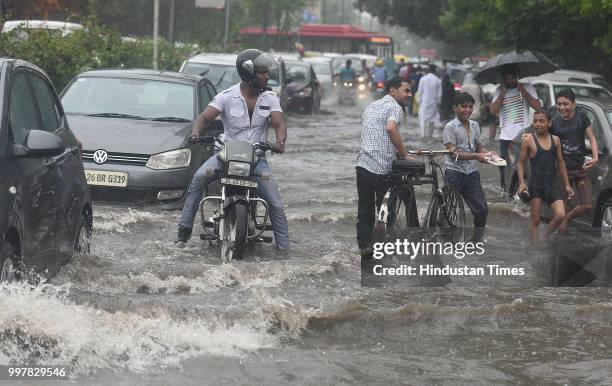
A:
115, 115
170, 119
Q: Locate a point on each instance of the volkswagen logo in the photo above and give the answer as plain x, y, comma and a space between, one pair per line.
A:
100, 156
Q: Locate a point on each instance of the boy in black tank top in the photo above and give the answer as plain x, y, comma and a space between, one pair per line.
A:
546, 163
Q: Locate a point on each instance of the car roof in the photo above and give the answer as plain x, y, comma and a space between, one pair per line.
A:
605, 103
318, 59
36, 24
213, 58
21, 63
144, 74
569, 84
297, 62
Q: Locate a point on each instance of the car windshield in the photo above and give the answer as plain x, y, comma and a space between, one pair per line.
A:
298, 73
321, 68
598, 80
455, 75
136, 98
585, 91
223, 76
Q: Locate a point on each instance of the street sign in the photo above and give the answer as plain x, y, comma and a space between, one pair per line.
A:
219, 4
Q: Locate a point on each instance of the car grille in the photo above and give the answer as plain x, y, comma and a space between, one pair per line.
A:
132, 196
119, 158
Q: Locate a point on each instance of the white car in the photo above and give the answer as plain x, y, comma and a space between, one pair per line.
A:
65, 27
547, 90
577, 77
220, 69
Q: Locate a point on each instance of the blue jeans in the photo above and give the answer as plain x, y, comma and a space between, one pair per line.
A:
267, 190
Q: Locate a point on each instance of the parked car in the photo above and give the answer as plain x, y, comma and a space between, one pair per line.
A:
546, 88
599, 112
578, 77
323, 71
134, 126
456, 73
64, 28
304, 87
45, 208
221, 70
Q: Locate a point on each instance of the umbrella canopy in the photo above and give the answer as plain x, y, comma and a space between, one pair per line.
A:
530, 63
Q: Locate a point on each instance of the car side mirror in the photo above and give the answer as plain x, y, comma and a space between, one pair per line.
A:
41, 143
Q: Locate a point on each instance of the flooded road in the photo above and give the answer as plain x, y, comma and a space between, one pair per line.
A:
141, 310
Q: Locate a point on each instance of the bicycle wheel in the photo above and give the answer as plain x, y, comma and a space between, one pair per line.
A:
403, 215
446, 219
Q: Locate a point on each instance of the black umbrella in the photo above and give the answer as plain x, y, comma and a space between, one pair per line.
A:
530, 63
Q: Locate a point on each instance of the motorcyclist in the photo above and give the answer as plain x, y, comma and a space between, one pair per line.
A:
378, 73
245, 110
347, 74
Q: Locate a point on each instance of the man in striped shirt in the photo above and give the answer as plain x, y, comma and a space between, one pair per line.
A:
380, 143
511, 102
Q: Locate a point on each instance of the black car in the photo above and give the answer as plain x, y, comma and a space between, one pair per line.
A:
45, 208
134, 126
304, 87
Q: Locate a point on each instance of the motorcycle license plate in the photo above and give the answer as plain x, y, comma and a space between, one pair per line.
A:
233, 181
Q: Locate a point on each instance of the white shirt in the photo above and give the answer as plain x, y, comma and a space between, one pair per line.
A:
430, 90
514, 111
237, 124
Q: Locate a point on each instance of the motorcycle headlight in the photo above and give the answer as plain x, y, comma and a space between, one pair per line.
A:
174, 159
362, 87
360, 78
305, 92
239, 169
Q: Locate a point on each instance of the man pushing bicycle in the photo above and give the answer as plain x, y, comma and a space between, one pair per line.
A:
380, 143
462, 137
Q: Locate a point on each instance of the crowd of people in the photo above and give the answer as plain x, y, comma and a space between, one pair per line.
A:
555, 148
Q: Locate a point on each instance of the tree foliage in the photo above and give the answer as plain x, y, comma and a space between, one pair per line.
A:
575, 33
97, 47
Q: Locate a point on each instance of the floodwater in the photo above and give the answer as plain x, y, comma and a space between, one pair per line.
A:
141, 310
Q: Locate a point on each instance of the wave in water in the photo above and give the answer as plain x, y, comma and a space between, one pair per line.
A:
42, 326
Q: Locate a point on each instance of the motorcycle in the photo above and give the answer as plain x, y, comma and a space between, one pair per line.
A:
379, 89
236, 217
346, 93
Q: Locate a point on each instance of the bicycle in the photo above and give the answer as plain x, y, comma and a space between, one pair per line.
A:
397, 216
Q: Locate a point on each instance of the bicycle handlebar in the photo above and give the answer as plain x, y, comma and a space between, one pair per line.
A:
429, 152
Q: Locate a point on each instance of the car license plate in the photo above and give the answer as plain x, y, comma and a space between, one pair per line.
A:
232, 181
103, 178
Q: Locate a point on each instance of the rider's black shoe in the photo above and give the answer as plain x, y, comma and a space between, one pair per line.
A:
183, 235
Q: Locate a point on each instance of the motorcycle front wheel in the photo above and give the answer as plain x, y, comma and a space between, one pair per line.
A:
235, 230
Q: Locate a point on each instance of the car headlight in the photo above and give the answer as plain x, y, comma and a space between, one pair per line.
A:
174, 159
239, 169
360, 78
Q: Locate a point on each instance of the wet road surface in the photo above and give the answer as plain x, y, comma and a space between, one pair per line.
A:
141, 310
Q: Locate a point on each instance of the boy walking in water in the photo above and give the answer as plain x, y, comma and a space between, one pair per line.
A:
545, 159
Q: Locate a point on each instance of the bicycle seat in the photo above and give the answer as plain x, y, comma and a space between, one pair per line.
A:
414, 167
